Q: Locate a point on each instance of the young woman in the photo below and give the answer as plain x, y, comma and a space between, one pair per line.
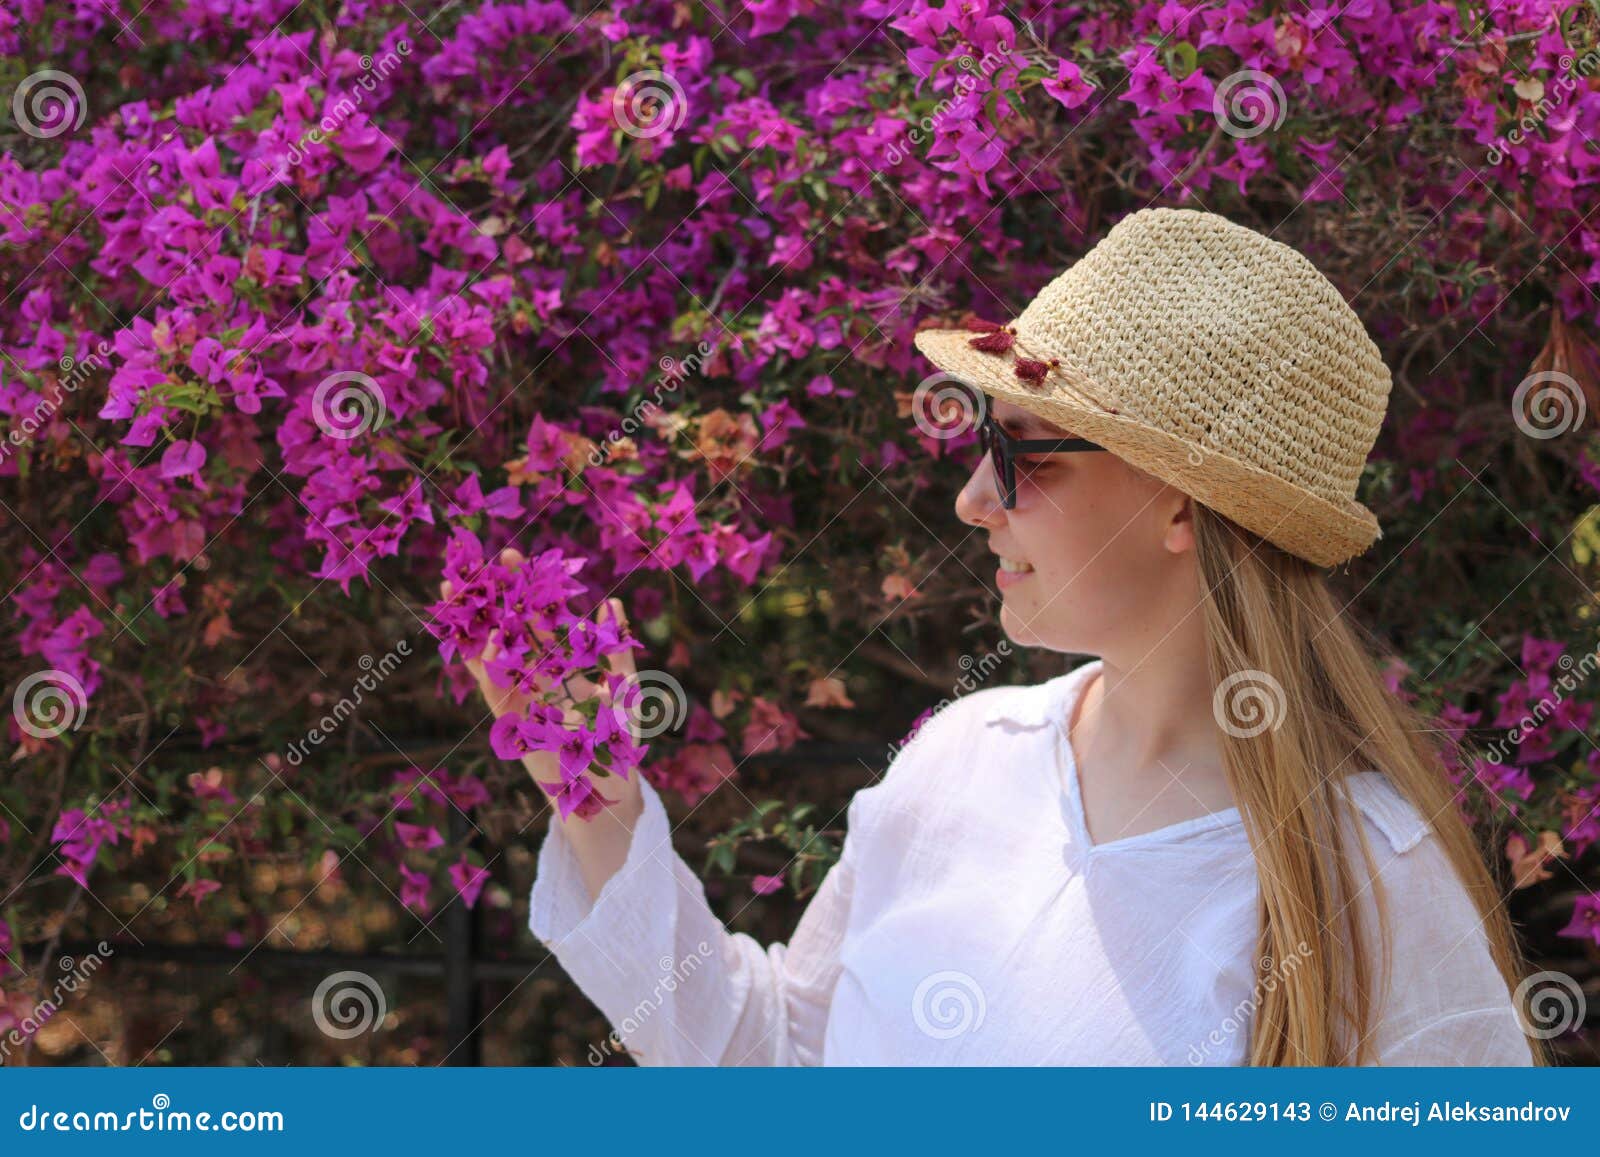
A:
1222, 841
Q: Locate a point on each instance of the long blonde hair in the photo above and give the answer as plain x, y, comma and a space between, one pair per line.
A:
1269, 611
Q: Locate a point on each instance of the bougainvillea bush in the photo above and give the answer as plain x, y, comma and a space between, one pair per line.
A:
310, 307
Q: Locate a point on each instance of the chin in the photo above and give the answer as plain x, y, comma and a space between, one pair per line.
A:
1014, 622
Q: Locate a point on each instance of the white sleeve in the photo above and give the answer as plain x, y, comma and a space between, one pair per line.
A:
1447, 1003
677, 987
1475, 1037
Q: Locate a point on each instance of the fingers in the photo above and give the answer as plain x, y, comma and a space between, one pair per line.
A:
476, 663
619, 662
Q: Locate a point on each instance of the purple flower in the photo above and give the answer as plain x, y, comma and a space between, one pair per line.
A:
414, 889
469, 880
1585, 922
419, 836
766, 885
181, 458
1068, 85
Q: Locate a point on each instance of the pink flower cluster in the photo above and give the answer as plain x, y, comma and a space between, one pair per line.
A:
541, 645
79, 835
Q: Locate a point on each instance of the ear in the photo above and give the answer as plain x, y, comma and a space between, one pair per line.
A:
1179, 536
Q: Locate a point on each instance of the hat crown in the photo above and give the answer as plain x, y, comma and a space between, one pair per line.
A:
1224, 337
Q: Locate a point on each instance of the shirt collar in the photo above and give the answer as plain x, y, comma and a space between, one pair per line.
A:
1040, 704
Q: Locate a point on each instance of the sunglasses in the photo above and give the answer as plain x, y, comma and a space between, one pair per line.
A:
1003, 450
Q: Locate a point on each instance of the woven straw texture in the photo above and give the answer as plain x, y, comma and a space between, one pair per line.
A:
1213, 358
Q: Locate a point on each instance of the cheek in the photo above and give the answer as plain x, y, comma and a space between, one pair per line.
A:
1086, 540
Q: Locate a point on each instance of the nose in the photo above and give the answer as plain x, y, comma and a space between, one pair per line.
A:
979, 503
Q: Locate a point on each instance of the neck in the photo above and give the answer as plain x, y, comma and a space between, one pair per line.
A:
1150, 721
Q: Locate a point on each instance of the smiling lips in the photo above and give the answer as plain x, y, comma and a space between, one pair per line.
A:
1011, 572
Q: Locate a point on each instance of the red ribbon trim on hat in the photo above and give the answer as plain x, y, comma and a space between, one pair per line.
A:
994, 343
997, 338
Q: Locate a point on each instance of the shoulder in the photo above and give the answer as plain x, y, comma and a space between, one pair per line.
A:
1425, 931
1408, 860
963, 721
1387, 814
955, 742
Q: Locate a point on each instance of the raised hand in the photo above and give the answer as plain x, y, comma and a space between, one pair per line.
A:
505, 700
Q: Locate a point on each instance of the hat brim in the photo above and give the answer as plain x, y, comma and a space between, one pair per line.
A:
1289, 516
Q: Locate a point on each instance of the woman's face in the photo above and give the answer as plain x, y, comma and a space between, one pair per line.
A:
1110, 547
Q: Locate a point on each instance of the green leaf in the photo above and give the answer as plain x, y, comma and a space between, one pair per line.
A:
1182, 59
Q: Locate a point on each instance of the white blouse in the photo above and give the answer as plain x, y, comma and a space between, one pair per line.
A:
971, 921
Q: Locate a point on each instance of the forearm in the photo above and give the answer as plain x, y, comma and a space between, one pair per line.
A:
600, 844
678, 988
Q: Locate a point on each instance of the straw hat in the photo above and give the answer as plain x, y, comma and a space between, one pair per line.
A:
1209, 356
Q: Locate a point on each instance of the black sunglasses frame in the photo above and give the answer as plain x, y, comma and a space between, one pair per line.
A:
1003, 449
